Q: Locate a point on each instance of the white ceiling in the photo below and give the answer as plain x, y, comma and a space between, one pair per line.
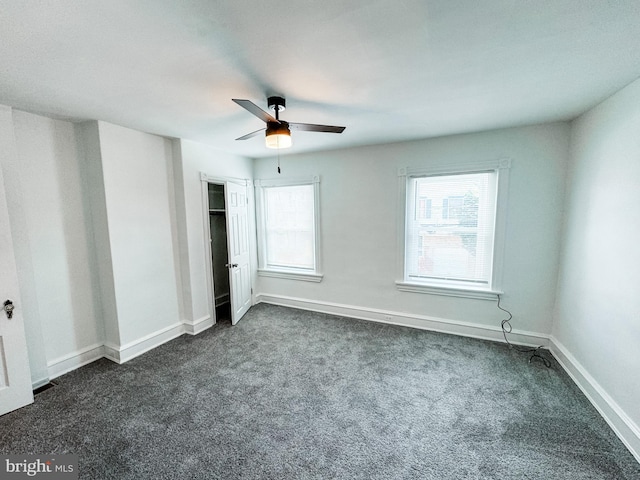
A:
388, 70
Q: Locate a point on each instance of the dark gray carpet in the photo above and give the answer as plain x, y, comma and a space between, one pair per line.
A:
288, 394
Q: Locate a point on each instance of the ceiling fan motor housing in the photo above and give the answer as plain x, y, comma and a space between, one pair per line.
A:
277, 104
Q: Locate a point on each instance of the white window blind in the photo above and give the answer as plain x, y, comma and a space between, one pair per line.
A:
289, 227
450, 226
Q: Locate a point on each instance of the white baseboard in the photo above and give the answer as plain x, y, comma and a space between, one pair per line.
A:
74, 360
128, 351
625, 428
124, 353
455, 327
111, 352
39, 383
199, 325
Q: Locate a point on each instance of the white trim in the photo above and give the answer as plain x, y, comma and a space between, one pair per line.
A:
74, 360
317, 212
131, 350
124, 353
205, 180
204, 177
287, 181
39, 383
623, 426
307, 277
401, 222
199, 325
449, 291
111, 352
423, 322
314, 180
206, 230
501, 166
470, 167
500, 227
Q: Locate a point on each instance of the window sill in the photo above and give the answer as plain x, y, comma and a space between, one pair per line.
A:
305, 277
449, 291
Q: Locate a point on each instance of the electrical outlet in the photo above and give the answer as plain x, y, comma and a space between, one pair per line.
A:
388, 317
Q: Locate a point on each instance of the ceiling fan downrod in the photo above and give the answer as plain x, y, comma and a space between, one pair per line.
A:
277, 104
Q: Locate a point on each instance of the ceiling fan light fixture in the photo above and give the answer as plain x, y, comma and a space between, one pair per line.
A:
278, 135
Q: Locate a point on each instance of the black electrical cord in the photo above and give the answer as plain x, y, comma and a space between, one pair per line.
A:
507, 328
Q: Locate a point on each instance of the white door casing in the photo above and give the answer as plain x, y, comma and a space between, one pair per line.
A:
15, 377
238, 247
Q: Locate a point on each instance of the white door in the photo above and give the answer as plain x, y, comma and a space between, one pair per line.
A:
238, 247
15, 377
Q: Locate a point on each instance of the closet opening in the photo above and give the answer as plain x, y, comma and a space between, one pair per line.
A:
219, 253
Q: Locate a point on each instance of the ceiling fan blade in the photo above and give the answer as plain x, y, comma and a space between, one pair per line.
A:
252, 134
256, 110
310, 127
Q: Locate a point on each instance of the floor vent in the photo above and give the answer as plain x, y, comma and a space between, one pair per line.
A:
44, 387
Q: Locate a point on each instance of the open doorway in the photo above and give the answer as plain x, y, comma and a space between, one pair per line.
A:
219, 253
226, 217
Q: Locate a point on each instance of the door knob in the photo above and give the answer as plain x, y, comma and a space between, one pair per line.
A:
8, 308
231, 265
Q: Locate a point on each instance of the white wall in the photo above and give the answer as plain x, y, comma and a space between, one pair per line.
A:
192, 159
54, 243
137, 176
10, 164
101, 265
360, 212
597, 319
137, 264
99, 214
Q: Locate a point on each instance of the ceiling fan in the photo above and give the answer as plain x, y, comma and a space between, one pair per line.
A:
278, 132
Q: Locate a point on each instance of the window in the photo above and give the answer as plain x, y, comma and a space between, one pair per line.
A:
450, 232
288, 229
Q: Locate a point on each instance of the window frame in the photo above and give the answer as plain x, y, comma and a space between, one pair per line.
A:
308, 275
453, 288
